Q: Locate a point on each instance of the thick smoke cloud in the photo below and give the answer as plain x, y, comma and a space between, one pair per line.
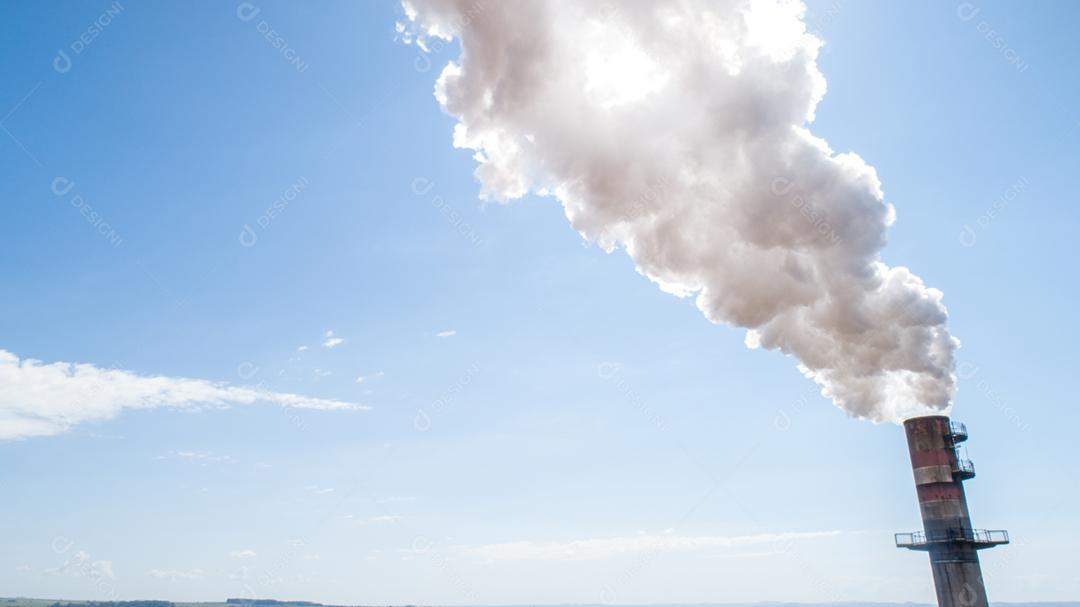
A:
678, 131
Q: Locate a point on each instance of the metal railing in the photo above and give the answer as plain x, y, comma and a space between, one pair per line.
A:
981, 537
964, 467
958, 432
910, 540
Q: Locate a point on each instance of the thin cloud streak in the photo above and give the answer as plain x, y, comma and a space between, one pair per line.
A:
174, 575
44, 399
600, 548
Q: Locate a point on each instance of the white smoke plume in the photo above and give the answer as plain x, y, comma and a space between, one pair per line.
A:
42, 399
677, 130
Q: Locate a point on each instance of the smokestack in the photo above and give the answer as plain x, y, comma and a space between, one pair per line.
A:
947, 533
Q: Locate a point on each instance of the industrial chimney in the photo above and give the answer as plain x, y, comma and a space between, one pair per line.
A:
947, 534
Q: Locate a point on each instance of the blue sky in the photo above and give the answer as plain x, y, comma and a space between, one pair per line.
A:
575, 406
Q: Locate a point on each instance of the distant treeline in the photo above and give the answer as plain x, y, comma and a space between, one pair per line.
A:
271, 603
116, 604
277, 603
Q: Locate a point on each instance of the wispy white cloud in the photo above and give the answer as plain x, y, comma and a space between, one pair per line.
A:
22, 569
174, 575
201, 457
600, 548
42, 399
449, 333
80, 565
302, 349
386, 518
331, 340
363, 378
245, 553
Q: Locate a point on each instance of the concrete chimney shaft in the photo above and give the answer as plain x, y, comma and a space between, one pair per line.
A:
947, 534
